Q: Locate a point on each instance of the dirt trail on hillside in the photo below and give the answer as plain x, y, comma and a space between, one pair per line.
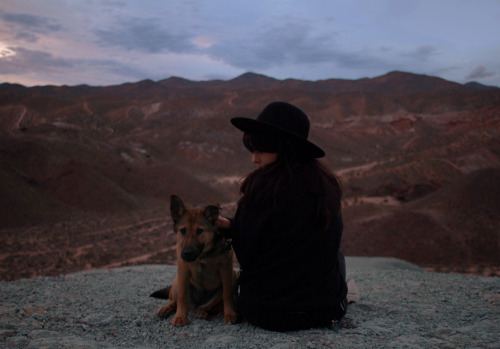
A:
80, 245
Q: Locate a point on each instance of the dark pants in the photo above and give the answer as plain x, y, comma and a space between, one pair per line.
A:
283, 322
341, 259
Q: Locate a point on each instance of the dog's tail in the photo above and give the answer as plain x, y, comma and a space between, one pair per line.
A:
162, 294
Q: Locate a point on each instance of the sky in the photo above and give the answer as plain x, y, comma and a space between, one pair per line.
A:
109, 42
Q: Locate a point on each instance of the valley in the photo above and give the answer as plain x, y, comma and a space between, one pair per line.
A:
86, 172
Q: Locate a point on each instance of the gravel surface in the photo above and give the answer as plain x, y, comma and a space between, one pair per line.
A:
401, 306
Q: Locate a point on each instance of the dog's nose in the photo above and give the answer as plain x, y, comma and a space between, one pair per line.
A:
189, 254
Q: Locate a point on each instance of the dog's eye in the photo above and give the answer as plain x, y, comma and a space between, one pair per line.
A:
183, 231
199, 231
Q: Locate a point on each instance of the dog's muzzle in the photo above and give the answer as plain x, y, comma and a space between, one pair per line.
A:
190, 254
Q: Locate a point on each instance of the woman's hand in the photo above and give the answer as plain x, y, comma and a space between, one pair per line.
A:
223, 223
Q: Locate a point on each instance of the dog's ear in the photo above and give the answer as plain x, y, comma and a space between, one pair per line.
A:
177, 208
212, 212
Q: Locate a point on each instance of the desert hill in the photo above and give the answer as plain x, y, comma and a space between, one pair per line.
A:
457, 225
402, 144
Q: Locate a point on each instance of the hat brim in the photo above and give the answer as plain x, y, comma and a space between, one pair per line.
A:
248, 125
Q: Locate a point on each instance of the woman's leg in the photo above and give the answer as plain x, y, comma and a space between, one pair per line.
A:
341, 260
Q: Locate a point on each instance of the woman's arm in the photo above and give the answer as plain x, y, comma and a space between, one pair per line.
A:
223, 223
224, 226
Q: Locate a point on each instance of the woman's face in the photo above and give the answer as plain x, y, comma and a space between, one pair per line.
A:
262, 159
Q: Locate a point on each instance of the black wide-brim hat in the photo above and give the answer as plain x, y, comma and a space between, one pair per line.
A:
285, 119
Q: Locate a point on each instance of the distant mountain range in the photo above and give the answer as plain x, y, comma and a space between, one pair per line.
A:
394, 140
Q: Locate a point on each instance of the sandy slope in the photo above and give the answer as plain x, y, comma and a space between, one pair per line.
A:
401, 306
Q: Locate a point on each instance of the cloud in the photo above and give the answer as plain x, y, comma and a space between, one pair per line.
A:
31, 21
268, 44
21, 60
5, 52
294, 43
144, 34
422, 53
114, 3
24, 62
203, 41
264, 44
28, 27
274, 44
480, 72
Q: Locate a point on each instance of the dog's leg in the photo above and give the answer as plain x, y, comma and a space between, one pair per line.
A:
228, 282
181, 315
171, 307
207, 308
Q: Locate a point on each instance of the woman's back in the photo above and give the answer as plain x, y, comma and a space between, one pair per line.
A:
289, 260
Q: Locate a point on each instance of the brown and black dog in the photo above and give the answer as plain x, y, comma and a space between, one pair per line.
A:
205, 274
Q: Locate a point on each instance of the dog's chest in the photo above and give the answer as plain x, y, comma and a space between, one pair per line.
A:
207, 273
205, 267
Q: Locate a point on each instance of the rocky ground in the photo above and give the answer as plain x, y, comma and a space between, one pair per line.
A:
401, 306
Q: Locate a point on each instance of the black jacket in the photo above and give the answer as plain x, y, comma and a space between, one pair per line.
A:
289, 264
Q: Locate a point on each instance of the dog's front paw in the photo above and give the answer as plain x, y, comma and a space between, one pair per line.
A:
179, 320
202, 314
165, 311
230, 317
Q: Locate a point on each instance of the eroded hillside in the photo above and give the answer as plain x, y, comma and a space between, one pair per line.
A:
399, 143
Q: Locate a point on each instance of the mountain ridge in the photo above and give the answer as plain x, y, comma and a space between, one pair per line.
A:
393, 77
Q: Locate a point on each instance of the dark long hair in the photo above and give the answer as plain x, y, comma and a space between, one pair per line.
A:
292, 168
